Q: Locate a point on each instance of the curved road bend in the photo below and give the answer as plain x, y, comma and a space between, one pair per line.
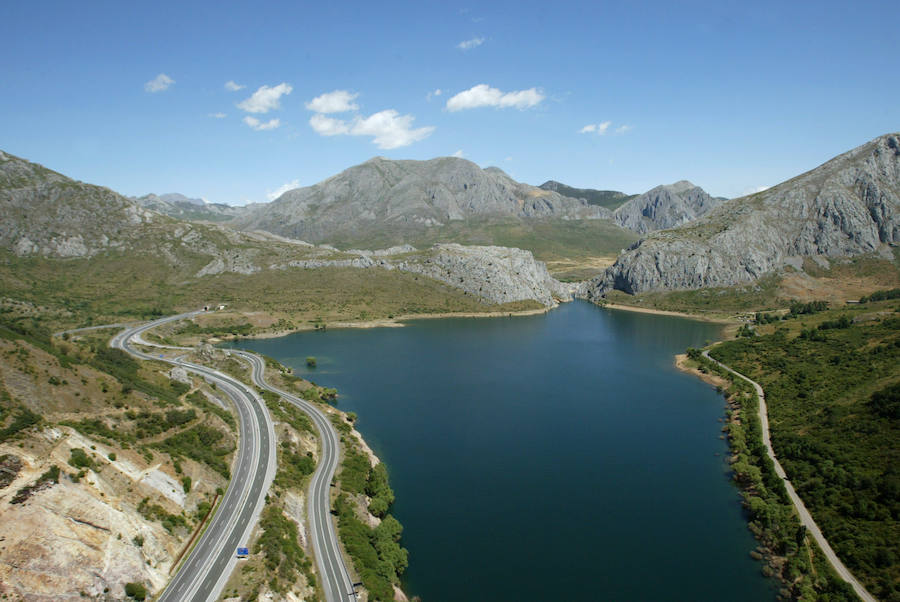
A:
206, 570
805, 517
337, 584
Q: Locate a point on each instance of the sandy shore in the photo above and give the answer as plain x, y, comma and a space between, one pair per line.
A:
681, 362
397, 322
662, 312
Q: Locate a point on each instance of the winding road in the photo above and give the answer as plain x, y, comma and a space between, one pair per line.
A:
806, 518
335, 578
204, 573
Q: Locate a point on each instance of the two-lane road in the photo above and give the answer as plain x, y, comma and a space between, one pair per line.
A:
806, 518
335, 578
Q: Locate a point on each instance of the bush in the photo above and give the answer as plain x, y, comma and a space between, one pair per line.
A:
78, 458
136, 591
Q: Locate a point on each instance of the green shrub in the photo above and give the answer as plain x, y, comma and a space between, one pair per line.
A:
136, 591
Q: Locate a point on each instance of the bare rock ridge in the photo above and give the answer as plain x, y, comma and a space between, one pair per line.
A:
665, 207
182, 207
408, 196
847, 206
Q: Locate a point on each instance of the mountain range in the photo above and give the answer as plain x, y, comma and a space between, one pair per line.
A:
179, 206
845, 207
848, 206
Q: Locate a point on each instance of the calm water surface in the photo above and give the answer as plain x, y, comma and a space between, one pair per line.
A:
551, 457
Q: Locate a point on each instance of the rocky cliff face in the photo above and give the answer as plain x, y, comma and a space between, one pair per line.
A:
665, 207
495, 274
847, 206
492, 274
408, 196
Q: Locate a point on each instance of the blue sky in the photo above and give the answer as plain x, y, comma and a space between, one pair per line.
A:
733, 96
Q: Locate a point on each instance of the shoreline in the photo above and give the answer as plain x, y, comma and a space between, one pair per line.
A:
665, 312
681, 363
396, 322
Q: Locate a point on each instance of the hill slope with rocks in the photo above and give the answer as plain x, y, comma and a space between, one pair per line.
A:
665, 207
408, 197
49, 216
845, 207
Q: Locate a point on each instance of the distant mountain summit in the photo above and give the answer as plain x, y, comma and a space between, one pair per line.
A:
408, 197
179, 206
610, 199
665, 207
847, 206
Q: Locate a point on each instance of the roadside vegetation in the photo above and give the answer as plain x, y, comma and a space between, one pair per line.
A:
831, 380
364, 490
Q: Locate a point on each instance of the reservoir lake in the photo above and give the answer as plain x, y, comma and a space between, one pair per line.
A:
551, 457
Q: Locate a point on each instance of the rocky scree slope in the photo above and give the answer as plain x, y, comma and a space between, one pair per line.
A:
408, 196
847, 206
665, 207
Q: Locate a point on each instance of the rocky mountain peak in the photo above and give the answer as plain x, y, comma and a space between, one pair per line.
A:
407, 196
848, 206
666, 206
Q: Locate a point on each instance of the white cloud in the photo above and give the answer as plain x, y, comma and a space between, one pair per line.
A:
274, 194
339, 101
388, 128
218, 115
483, 95
433, 93
328, 126
598, 128
232, 86
259, 126
458, 154
623, 128
159, 83
470, 44
754, 190
265, 99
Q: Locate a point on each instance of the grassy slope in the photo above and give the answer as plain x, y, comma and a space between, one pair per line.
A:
549, 240
113, 287
840, 454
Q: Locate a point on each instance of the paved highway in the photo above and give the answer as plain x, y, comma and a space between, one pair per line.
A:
805, 517
204, 574
205, 571
334, 576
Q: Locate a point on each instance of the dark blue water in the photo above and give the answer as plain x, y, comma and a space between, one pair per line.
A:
551, 457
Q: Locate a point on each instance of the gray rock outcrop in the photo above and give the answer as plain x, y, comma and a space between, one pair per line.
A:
847, 206
665, 207
495, 274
